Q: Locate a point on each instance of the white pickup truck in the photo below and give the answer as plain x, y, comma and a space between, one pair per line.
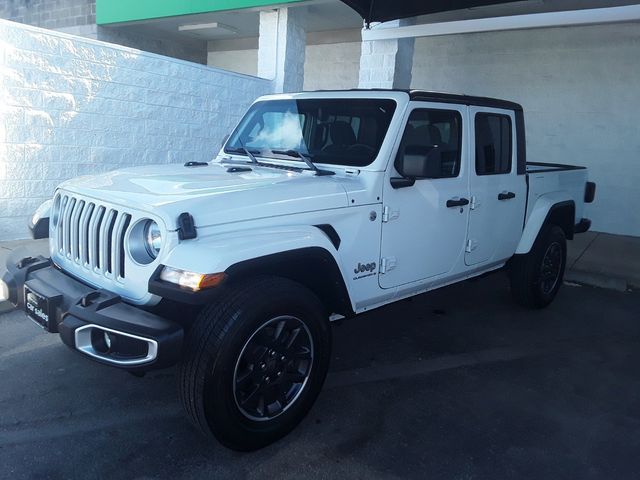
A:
319, 206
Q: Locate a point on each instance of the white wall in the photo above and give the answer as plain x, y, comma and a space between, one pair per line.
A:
580, 90
241, 61
332, 66
73, 106
327, 66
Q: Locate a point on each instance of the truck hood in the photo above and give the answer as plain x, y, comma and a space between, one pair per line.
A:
211, 193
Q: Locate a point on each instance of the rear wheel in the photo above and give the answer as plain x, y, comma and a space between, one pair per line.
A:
255, 362
537, 276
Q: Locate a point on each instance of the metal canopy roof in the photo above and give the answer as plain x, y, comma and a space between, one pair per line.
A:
384, 10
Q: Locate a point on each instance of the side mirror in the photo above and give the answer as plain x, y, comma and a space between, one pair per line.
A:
419, 161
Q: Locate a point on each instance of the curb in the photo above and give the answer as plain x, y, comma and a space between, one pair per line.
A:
598, 280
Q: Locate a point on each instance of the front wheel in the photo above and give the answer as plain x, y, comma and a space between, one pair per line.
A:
255, 362
537, 276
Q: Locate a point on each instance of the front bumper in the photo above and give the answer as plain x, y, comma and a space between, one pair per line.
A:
96, 323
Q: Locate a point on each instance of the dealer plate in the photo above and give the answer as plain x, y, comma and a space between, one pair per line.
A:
37, 307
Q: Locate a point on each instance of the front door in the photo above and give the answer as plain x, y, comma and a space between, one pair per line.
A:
424, 225
497, 191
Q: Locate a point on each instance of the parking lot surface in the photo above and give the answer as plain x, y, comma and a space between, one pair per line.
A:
456, 384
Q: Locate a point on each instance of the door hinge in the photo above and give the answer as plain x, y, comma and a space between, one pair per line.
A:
388, 215
387, 264
472, 244
474, 203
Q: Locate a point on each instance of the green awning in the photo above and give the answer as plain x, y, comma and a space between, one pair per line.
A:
120, 11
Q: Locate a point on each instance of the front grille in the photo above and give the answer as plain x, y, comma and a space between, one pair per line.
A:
92, 235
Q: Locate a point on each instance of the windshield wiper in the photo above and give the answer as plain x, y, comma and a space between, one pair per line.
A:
247, 152
305, 159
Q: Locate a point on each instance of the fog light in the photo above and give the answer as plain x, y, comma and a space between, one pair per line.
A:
107, 340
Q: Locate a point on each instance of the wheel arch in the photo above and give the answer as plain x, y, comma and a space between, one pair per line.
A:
313, 267
548, 210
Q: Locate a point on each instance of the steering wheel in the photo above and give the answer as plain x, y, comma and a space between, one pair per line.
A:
361, 148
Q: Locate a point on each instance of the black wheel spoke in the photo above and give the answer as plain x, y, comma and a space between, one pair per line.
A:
292, 338
279, 329
245, 379
256, 354
260, 406
252, 398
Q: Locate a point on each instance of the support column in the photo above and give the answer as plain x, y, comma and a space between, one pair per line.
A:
281, 48
387, 63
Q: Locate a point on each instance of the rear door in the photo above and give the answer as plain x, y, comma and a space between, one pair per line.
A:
497, 191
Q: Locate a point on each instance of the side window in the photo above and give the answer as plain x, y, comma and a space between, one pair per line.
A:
493, 144
441, 129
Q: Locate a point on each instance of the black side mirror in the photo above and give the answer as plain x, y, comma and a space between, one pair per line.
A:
419, 161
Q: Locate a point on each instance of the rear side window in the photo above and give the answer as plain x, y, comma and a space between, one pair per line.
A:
441, 129
493, 143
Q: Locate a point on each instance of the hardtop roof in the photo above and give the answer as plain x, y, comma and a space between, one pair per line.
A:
429, 96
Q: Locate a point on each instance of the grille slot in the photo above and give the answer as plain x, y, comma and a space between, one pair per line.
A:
92, 236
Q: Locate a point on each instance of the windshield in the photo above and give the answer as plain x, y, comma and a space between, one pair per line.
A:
332, 131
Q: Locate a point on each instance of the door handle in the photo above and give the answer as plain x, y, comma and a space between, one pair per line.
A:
457, 202
506, 196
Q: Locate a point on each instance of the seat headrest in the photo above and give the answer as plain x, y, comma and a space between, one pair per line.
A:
342, 133
434, 133
418, 136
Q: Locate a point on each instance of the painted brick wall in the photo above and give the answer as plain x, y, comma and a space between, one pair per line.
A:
73, 106
52, 14
78, 17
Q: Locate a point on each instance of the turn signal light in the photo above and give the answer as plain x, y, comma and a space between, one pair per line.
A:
191, 280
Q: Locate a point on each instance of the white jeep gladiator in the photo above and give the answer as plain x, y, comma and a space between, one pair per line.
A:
319, 206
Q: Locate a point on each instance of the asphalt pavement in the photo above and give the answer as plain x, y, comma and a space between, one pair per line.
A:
455, 384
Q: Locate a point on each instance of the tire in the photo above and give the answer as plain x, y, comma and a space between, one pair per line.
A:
537, 276
229, 362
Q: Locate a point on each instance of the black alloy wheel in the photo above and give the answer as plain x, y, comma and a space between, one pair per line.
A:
551, 268
273, 368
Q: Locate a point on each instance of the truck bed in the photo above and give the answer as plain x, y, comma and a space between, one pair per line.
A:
566, 181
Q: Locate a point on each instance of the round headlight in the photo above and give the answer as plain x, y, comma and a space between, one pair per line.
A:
152, 238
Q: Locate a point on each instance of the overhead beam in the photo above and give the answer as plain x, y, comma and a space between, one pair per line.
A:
516, 22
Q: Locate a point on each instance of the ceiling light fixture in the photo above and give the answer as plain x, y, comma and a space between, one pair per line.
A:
207, 26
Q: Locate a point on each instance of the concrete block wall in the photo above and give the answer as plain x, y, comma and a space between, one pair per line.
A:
579, 90
281, 48
78, 17
387, 63
52, 14
73, 106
